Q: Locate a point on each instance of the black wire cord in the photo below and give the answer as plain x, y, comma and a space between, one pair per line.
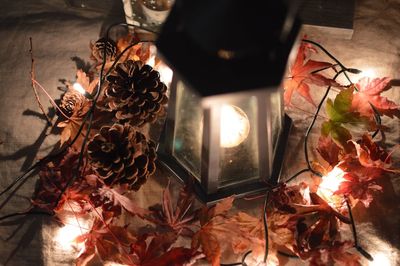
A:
312, 125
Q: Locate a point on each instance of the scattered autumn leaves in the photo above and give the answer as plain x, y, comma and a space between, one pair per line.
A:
300, 221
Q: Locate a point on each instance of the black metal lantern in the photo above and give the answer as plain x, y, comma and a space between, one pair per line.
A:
226, 126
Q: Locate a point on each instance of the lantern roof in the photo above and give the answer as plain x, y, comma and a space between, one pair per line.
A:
227, 46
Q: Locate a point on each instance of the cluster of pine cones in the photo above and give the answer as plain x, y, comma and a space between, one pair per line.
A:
134, 94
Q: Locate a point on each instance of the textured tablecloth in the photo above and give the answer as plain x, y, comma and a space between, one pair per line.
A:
61, 36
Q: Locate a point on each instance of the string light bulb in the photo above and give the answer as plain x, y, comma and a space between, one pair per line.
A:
330, 184
78, 87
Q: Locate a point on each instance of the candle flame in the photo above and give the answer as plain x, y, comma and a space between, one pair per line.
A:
234, 127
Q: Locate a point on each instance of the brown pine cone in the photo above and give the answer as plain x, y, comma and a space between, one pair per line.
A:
104, 44
121, 155
71, 102
136, 93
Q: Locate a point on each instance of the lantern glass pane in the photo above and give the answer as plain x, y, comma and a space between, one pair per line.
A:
188, 129
238, 142
276, 115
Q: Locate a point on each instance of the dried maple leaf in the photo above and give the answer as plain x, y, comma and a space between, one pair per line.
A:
113, 197
156, 249
359, 189
251, 234
310, 233
179, 218
214, 227
53, 178
302, 74
362, 168
369, 92
302, 227
329, 150
70, 126
140, 51
109, 242
334, 254
371, 155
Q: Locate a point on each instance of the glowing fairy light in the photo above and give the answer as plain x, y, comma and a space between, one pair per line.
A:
330, 184
332, 180
369, 72
165, 74
151, 61
380, 259
235, 126
66, 235
78, 87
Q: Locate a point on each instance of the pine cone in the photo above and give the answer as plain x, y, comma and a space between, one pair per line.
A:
121, 155
104, 44
136, 93
71, 102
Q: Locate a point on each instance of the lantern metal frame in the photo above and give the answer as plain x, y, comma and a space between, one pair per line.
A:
234, 67
207, 189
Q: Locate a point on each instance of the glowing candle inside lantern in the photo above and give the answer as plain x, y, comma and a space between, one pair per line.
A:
235, 126
330, 184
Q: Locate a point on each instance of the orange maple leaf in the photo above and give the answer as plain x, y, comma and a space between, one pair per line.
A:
369, 92
303, 73
214, 227
70, 127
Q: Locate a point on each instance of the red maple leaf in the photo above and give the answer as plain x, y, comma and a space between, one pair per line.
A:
156, 249
179, 218
336, 253
106, 241
215, 227
329, 150
113, 197
303, 73
369, 92
362, 168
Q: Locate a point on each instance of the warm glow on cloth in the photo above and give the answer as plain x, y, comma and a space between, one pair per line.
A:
235, 126
66, 235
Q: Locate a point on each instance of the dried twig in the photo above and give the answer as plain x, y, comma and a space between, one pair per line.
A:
33, 83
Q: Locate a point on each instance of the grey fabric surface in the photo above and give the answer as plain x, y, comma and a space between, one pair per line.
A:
61, 33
